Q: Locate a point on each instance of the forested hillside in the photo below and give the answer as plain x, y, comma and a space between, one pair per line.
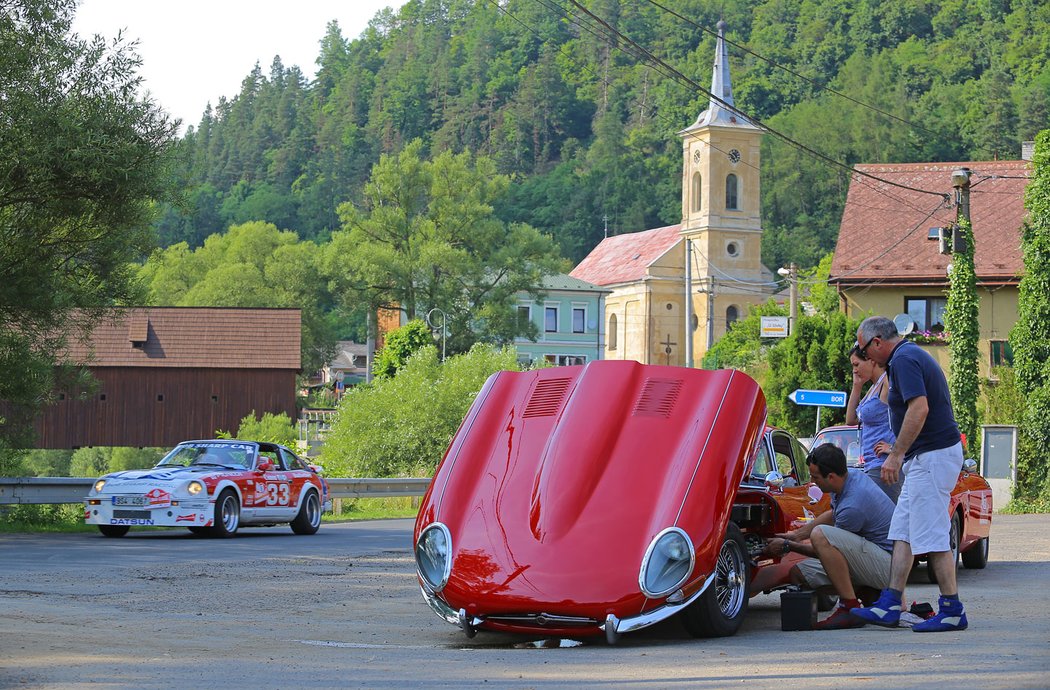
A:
588, 132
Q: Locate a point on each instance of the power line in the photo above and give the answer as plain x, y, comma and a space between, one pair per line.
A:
793, 72
673, 73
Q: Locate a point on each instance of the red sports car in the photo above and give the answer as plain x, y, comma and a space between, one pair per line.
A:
212, 487
970, 506
601, 499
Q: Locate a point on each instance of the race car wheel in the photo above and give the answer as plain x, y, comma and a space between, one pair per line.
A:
976, 557
309, 517
113, 530
227, 514
720, 609
954, 535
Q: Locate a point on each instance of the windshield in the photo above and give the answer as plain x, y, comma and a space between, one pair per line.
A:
848, 440
232, 455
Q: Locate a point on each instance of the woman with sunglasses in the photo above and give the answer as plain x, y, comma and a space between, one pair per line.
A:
871, 413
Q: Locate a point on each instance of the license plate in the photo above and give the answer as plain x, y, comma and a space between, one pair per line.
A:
130, 501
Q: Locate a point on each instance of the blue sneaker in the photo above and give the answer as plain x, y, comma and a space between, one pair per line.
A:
885, 612
950, 617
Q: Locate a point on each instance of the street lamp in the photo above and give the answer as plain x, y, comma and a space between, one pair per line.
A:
791, 273
444, 320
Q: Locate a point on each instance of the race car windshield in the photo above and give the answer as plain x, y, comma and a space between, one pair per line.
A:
234, 457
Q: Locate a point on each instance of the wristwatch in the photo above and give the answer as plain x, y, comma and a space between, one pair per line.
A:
787, 547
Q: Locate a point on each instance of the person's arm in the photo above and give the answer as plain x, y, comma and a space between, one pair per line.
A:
796, 539
914, 419
854, 400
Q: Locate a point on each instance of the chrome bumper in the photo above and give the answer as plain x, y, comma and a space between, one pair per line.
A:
613, 627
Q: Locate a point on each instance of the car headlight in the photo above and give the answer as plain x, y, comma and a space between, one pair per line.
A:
99, 484
434, 556
194, 488
667, 563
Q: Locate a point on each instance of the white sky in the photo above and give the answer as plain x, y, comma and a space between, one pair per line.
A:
194, 51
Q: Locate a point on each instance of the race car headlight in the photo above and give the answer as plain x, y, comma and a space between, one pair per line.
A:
194, 488
434, 556
99, 484
667, 563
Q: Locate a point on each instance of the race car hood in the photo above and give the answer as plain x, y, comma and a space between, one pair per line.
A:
131, 480
559, 479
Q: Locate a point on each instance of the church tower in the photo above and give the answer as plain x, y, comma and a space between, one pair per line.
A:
721, 212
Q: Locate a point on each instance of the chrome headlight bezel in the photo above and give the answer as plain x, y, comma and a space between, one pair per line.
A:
671, 552
433, 555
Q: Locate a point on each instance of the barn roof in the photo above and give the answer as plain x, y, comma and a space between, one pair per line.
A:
626, 258
884, 230
200, 337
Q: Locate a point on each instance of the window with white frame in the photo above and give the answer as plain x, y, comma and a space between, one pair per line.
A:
732, 193
579, 319
550, 319
566, 360
524, 314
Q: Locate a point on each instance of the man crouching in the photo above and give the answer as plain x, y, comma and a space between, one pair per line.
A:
849, 543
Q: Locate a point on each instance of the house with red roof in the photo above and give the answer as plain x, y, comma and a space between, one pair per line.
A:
889, 258
661, 307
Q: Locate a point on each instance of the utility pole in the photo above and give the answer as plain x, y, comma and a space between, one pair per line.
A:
710, 312
791, 273
689, 303
961, 183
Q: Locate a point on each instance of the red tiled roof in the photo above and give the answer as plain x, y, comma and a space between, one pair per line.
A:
883, 235
200, 337
625, 258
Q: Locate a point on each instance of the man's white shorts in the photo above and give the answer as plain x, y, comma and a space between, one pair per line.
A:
921, 516
869, 565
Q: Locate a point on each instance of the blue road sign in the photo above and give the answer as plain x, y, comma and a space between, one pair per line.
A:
822, 398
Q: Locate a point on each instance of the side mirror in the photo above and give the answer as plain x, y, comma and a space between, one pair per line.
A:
264, 466
775, 480
970, 465
317, 469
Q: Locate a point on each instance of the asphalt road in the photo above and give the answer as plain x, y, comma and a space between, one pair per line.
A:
341, 609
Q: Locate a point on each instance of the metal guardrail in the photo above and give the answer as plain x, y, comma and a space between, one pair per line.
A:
43, 490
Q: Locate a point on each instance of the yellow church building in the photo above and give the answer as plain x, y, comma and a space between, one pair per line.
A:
647, 315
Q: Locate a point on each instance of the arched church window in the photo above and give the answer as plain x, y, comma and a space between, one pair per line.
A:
697, 199
732, 200
732, 314
612, 331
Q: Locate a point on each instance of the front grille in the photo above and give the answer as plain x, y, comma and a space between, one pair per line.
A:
132, 514
544, 620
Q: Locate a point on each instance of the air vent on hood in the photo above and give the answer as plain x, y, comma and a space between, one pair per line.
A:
546, 398
658, 397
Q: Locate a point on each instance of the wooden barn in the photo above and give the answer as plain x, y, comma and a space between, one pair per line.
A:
168, 374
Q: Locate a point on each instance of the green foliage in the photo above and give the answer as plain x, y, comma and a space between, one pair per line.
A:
269, 428
400, 344
1002, 401
401, 426
960, 321
82, 157
1030, 337
96, 461
742, 347
427, 237
814, 357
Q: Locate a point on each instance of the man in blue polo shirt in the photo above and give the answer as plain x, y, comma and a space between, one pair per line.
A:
928, 448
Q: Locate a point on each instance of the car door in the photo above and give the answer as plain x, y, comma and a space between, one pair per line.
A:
299, 474
279, 499
801, 499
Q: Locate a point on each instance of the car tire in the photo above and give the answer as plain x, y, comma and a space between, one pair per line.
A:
720, 609
976, 557
113, 530
227, 514
954, 535
309, 518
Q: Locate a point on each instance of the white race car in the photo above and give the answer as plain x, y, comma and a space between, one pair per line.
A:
212, 487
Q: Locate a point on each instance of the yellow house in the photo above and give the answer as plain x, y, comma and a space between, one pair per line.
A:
888, 258
648, 317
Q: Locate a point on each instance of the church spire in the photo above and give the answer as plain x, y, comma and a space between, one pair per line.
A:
721, 90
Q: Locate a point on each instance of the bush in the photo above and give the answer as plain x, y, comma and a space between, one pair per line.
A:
401, 426
270, 428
